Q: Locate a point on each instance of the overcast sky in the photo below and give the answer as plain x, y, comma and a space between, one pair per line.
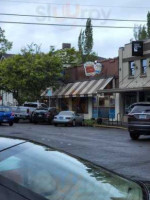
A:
106, 41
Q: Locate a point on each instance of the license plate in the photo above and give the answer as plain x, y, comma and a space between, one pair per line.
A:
5, 120
142, 116
60, 117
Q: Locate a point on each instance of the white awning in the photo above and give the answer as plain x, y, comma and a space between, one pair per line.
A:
82, 89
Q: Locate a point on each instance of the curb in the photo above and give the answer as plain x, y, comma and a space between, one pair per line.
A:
107, 126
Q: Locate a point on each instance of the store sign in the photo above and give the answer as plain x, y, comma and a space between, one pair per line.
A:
49, 92
137, 48
92, 68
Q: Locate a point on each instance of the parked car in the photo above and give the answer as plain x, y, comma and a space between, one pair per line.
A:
139, 120
20, 113
38, 172
6, 115
32, 106
68, 118
44, 115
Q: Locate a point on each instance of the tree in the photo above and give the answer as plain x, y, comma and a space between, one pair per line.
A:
142, 32
68, 56
81, 42
148, 24
26, 75
85, 42
88, 44
5, 45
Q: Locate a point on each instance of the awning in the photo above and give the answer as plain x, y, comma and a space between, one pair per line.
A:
122, 90
81, 89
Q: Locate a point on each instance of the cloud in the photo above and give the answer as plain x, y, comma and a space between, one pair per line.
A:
106, 41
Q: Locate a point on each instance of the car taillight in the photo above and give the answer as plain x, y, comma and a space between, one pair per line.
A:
130, 117
47, 114
12, 114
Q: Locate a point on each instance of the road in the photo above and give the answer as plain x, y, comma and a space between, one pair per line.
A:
110, 148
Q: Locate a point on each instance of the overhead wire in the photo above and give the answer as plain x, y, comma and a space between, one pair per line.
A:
68, 17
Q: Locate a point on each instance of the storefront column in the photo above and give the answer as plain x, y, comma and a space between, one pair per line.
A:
117, 106
90, 111
119, 102
70, 104
57, 103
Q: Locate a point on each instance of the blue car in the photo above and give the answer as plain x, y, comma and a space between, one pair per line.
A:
6, 115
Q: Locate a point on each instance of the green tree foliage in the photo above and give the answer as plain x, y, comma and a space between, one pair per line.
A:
88, 44
85, 43
148, 25
5, 45
68, 56
142, 32
26, 75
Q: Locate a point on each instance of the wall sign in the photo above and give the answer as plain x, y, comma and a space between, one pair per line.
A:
137, 48
92, 68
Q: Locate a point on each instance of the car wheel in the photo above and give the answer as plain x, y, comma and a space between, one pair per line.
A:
35, 122
11, 123
134, 135
55, 124
74, 123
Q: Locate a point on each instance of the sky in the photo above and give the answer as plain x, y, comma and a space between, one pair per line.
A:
106, 41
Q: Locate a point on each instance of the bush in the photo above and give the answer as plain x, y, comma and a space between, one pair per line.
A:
89, 122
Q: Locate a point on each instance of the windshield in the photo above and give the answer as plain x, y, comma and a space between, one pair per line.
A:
141, 109
66, 113
57, 176
5, 109
30, 105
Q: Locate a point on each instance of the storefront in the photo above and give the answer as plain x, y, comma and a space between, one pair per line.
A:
82, 97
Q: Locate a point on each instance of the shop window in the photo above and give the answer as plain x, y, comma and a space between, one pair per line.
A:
143, 66
101, 101
131, 68
80, 105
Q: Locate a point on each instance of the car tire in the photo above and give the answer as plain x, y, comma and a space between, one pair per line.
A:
73, 123
35, 122
134, 135
55, 124
11, 123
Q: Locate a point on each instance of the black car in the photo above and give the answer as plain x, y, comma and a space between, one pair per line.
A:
30, 171
44, 115
139, 120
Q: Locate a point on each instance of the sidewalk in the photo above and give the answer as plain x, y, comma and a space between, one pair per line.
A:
115, 125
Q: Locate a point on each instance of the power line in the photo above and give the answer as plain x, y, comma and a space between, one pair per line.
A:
78, 18
71, 25
82, 5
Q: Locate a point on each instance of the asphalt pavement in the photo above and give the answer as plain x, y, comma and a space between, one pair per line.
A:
110, 148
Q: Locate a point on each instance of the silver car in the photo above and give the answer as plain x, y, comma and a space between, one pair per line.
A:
68, 118
20, 112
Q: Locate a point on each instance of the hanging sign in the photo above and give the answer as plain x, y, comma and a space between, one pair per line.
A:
92, 68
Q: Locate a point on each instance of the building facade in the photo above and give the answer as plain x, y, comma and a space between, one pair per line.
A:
134, 77
79, 90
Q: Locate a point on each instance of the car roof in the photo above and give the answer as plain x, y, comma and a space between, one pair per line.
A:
141, 103
6, 143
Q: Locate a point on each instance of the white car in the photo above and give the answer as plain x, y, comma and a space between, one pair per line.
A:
68, 118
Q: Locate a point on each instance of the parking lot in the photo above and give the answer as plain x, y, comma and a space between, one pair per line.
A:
110, 148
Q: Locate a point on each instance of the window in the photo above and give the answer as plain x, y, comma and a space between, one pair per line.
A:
131, 68
143, 66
